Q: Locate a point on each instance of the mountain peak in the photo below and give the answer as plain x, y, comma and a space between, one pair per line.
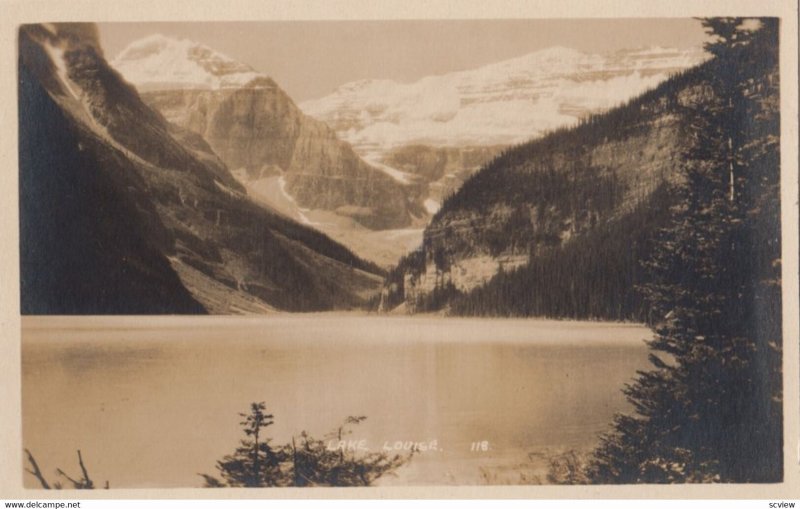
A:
501, 103
160, 62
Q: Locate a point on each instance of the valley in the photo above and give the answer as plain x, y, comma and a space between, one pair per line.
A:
590, 241
393, 152
122, 212
436, 181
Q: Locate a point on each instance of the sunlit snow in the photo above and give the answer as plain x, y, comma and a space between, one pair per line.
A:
158, 62
502, 103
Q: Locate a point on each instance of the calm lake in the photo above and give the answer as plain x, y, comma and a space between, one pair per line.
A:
153, 401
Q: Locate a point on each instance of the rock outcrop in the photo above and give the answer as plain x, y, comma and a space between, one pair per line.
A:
412, 127
538, 197
257, 130
503, 103
122, 212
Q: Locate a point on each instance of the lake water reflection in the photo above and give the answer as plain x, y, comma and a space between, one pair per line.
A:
152, 401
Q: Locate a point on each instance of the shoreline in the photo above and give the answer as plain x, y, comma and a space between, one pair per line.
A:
328, 329
30, 322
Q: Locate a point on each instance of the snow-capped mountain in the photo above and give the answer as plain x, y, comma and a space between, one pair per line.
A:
502, 103
411, 128
158, 62
124, 213
572, 204
282, 156
378, 153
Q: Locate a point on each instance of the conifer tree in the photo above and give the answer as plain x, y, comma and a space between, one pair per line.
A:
254, 463
305, 461
710, 409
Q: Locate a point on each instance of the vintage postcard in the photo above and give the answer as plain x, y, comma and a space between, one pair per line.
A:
532, 256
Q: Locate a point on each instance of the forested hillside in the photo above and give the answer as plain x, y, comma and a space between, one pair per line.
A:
537, 207
710, 410
121, 213
564, 226
609, 257
698, 257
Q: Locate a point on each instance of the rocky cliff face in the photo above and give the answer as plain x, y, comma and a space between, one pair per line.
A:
502, 104
258, 131
537, 197
122, 212
437, 172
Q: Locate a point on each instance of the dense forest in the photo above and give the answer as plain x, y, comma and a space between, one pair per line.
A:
578, 188
710, 409
699, 259
605, 287
121, 213
566, 145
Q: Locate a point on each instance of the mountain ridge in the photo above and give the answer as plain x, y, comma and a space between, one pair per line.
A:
258, 131
535, 199
180, 64
176, 215
406, 127
515, 99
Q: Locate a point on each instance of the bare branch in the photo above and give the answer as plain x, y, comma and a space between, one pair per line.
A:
87, 484
76, 484
36, 472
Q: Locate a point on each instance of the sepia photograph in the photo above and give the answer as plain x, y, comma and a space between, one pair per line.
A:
402, 253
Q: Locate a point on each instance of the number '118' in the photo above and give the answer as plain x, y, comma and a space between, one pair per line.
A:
479, 446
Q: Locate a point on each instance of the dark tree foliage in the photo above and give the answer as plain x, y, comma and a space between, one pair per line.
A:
437, 299
710, 409
254, 463
531, 197
98, 230
490, 183
412, 264
305, 461
593, 276
73, 257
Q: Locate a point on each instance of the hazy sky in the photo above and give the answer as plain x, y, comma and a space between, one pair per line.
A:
310, 59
